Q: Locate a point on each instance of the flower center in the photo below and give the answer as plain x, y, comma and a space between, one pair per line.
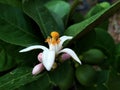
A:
54, 39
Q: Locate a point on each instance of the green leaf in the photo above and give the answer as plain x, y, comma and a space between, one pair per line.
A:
97, 8
94, 10
118, 49
77, 17
61, 8
42, 16
80, 29
8, 54
105, 42
42, 83
62, 76
15, 3
103, 76
117, 58
11, 56
17, 78
13, 27
114, 80
98, 87
86, 42
6, 61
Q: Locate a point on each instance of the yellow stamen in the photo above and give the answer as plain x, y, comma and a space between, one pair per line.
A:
48, 40
55, 38
55, 34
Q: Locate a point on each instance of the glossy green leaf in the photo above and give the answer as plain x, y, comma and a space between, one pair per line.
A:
94, 10
80, 29
105, 42
8, 54
17, 78
97, 8
62, 76
15, 3
11, 56
42, 83
61, 8
42, 16
14, 28
6, 61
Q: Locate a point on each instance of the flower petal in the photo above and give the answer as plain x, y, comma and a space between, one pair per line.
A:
63, 39
71, 53
33, 47
48, 59
37, 69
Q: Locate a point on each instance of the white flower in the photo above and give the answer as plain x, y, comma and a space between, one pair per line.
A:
55, 47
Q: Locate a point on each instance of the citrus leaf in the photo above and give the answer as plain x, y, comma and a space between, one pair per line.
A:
80, 29
106, 43
114, 80
14, 28
6, 61
17, 78
42, 16
15, 3
41, 83
61, 8
62, 76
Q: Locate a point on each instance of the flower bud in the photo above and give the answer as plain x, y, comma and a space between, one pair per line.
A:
65, 56
40, 57
37, 69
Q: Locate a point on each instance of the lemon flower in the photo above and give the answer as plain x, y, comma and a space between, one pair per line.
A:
55, 48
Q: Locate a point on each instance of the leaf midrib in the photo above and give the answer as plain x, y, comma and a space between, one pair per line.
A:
12, 24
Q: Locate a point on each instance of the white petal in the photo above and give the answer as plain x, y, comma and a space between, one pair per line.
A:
48, 59
33, 47
71, 53
63, 39
52, 47
37, 69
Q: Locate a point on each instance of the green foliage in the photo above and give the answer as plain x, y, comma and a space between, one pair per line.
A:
43, 17
29, 22
17, 78
106, 43
63, 77
15, 30
93, 56
59, 7
15, 3
97, 8
86, 75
